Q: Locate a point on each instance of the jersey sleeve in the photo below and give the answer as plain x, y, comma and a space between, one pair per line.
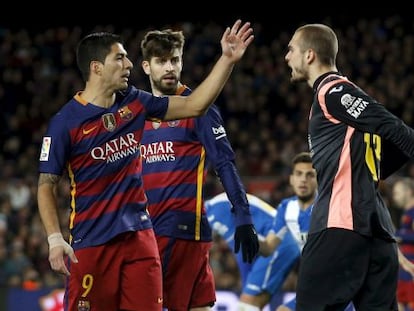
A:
279, 221
392, 159
55, 150
349, 104
220, 155
156, 107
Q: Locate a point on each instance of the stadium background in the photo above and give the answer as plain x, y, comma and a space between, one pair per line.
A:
265, 115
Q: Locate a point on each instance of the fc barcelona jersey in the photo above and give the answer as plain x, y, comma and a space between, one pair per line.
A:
99, 148
176, 157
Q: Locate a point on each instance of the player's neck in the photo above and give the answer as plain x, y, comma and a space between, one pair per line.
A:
304, 205
98, 96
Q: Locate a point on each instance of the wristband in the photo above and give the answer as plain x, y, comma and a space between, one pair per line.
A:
55, 240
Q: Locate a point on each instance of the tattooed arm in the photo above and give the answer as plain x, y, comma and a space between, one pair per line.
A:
48, 209
47, 202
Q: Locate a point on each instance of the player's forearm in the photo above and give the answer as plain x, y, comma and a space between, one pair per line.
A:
234, 188
268, 245
48, 207
197, 103
264, 249
405, 263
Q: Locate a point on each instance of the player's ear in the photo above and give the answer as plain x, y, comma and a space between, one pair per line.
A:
146, 66
310, 55
96, 67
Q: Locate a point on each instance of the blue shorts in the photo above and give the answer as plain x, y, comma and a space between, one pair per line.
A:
269, 273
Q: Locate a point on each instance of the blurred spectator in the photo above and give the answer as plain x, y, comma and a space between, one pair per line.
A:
19, 194
31, 279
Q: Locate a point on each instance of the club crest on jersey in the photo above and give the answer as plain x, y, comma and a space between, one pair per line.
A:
173, 123
156, 124
109, 122
125, 113
84, 305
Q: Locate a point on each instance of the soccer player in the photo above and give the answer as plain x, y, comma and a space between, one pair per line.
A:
264, 277
276, 233
176, 156
294, 212
113, 259
351, 252
403, 197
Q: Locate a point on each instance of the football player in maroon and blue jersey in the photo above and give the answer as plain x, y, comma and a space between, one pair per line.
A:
113, 261
176, 157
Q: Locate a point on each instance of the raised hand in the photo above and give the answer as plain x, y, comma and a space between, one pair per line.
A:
235, 41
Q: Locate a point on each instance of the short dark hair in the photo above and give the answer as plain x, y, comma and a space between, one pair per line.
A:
302, 157
161, 43
94, 47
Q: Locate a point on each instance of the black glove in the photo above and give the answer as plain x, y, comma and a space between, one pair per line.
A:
246, 236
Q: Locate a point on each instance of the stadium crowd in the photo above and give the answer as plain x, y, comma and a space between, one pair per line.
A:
265, 117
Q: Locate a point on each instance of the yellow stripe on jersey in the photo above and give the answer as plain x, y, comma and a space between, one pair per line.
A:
199, 196
72, 200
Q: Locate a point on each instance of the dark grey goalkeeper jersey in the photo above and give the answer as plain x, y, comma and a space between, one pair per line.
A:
350, 137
